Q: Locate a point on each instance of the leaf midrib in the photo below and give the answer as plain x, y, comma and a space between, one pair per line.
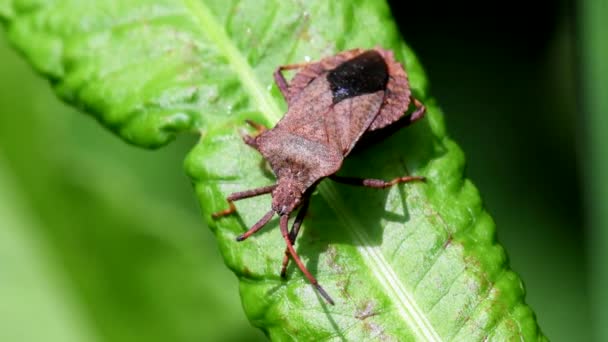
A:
207, 23
381, 268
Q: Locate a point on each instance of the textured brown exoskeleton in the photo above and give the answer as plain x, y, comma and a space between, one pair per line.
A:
332, 104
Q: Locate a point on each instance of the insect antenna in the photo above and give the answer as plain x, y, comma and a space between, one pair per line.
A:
261, 223
293, 234
284, 231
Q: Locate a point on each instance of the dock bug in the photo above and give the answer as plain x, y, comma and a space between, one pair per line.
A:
332, 104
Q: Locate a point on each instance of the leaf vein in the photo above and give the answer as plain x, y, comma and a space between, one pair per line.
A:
209, 26
381, 269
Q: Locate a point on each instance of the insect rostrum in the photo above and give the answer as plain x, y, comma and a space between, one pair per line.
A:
332, 105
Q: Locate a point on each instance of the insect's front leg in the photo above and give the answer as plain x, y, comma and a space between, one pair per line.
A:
375, 183
242, 195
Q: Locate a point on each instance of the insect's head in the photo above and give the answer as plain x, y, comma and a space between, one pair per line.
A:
286, 197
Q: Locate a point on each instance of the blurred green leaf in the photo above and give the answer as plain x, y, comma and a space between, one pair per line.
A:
147, 271
413, 262
594, 52
32, 290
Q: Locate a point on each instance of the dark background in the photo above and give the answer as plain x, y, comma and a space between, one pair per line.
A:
505, 74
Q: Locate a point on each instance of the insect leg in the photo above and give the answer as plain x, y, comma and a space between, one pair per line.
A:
419, 112
261, 223
284, 231
280, 80
293, 234
242, 195
258, 126
375, 183
250, 140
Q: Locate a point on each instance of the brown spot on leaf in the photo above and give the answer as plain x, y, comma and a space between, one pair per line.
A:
343, 286
448, 242
367, 310
332, 259
376, 332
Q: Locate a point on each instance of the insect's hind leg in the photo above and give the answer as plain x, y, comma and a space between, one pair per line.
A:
280, 80
418, 113
375, 183
242, 195
309, 71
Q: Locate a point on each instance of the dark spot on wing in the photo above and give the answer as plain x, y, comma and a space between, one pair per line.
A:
364, 74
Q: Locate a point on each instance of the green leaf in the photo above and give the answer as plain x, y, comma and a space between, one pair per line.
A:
594, 80
418, 261
31, 290
128, 272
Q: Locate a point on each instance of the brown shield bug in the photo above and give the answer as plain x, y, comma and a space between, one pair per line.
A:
332, 104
